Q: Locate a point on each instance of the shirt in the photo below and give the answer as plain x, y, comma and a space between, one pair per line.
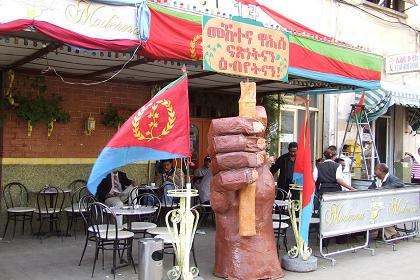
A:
416, 167
338, 172
116, 185
286, 166
203, 186
380, 182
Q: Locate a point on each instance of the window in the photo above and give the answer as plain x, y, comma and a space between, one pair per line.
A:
396, 5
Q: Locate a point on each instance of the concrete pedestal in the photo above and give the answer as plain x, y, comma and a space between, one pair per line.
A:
298, 264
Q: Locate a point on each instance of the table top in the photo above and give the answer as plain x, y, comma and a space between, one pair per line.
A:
128, 210
50, 191
281, 203
147, 187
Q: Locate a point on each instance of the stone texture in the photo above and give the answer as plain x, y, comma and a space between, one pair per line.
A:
298, 264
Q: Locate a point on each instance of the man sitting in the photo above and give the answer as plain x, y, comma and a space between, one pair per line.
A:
387, 181
167, 178
202, 178
115, 189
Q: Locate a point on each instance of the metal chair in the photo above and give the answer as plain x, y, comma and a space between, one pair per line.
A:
84, 203
74, 212
103, 222
151, 220
50, 201
280, 226
76, 185
16, 198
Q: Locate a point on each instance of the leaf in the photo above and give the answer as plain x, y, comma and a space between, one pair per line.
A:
278, 57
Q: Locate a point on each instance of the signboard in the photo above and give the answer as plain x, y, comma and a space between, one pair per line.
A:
347, 212
402, 63
84, 17
238, 48
287, 138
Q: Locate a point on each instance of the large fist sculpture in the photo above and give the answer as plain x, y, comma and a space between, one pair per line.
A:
238, 155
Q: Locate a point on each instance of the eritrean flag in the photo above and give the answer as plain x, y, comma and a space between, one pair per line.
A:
303, 170
158, 130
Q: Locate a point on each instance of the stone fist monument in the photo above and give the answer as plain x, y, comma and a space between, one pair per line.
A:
237, 150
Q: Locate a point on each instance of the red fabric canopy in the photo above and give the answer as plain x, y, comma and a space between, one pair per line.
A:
67, 36
282, 20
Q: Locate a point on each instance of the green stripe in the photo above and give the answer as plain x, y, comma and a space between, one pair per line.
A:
185, 16
354, 57
170, 85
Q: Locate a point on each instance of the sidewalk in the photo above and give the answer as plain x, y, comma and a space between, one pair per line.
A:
25, 258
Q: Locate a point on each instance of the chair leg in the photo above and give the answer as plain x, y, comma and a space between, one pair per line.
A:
130, 252
114, 258
69, 221
285, 240
23, 224
31, 223
96, 258
84, 249
39, 227
7, 224
14, 225
103, 258
193, 253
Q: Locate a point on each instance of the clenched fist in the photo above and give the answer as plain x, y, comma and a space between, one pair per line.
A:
237, 149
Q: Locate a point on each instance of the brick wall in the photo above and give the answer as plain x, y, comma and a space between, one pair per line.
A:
68, 140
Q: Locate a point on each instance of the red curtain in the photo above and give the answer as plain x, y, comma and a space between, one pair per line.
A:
69, 37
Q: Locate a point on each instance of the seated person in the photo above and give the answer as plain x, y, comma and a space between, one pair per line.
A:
167, 178
202, 178
386, 181
115, 189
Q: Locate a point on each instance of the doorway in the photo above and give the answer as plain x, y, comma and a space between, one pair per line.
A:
382, 133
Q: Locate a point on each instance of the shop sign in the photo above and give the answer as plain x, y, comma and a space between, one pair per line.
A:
286, 138
84, 17
238, 48
348, 212
402, 63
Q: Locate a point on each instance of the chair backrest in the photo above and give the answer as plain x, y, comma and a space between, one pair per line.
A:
150, 200
102, 220
167, 200
282, 194
76, 185
136, 191
76, 196
50, 199
84, 203
15, 195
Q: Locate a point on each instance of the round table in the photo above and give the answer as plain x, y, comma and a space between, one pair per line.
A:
148, 187
281, 203
130, 212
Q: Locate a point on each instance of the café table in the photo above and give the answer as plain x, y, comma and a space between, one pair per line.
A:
51, 193
131, 212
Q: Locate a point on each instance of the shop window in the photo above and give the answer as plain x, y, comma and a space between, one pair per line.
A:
396, 5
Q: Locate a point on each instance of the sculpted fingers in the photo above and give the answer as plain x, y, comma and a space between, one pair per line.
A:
237, 160
232, 180
236, 143
236, 125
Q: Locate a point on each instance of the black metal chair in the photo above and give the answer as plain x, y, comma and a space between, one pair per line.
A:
103, 222
16, 198
84, 203
50, 201
73, 212
149, 221
76, 185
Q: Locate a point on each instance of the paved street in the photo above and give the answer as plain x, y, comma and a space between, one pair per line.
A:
25, 258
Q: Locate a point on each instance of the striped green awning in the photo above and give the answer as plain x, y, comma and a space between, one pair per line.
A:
378, 101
